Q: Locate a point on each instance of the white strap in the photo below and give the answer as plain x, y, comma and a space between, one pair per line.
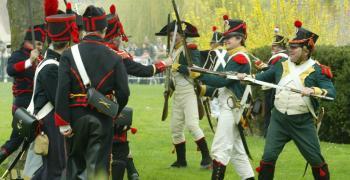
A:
79, 63
44, 111
177, 53
295, 72
209, 60
283, 55
220, 59
48, 107
299, 84
294, 76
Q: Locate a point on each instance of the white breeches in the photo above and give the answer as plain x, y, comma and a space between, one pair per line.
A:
227, 144
185, 114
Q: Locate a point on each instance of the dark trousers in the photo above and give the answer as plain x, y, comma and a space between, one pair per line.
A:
299, 128
120, 152
90, 147
12, 144
269, 103
54, 163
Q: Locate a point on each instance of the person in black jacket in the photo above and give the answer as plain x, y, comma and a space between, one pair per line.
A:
121, 154
21, 66
61, 34
89, 132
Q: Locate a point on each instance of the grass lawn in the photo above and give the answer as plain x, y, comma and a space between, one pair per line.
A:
151, 145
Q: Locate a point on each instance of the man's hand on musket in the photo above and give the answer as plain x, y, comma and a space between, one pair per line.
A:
34, 56
241, 76
307, 91
168, 61
183, 69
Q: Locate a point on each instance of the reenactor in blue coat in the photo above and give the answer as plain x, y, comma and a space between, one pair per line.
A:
89, 131
21, 66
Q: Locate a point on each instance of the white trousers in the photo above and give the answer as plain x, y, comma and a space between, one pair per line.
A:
214, 107
227, 143
185, 114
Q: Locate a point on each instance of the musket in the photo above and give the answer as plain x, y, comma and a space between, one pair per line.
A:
188, 57
30, 13
233, 75
19, 156
168, 90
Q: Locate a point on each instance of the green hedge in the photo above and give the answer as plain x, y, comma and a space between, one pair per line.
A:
336, 123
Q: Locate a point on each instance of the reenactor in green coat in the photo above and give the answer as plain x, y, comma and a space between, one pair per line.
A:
227, 143
292, 117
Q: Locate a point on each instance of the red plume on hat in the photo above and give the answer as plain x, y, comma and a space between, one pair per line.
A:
214, 28
112, 9
69, 8
298, 24
225, 17
50, 7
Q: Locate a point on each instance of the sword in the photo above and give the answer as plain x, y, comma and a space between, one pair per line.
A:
233, 75
207, 112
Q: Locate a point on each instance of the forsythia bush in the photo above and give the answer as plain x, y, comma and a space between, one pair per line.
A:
328, 20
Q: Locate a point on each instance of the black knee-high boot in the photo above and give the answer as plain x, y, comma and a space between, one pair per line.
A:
206, 161
181, 155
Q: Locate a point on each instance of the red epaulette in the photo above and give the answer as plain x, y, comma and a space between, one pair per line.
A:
326, 70
240, 59
275, 60
192, 46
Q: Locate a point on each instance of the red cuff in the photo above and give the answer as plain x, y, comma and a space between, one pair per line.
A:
59, 121
160, 66
20, 66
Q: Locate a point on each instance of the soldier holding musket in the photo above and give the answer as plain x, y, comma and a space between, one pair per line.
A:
184, 108
21, 66
229, 144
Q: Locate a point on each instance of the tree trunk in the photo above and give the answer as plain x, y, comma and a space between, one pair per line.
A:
19, 18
